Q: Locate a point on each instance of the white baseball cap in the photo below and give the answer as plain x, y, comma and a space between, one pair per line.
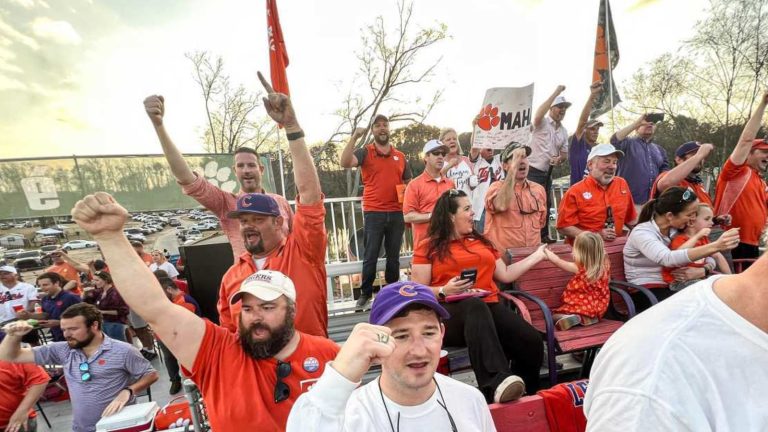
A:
266, 285
603, 150
560, 100
433, 145
9, 269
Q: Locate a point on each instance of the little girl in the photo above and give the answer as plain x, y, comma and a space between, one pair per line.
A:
587, 295
697, 234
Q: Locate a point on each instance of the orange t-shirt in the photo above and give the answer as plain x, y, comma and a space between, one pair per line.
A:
147, 258
15, 380
301, 257
512, 228
381, 174
463, 254
69, 273
420, 197
677, 241
697, 188
584, 205
239, 390
749, 211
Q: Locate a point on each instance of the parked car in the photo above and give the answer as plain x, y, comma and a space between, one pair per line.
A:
19, 225
31, 260
174, 222
79, 244
193, 234
50, 248
4, 226
136, 237
49, 240
11, 254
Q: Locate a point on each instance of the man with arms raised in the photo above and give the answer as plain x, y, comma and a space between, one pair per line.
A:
248, 170
248, 381
405, 335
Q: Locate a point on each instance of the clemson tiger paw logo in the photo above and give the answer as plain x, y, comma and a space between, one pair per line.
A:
488, 117
219, 177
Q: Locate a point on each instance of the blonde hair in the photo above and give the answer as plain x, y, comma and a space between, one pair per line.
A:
589, 252
446, 131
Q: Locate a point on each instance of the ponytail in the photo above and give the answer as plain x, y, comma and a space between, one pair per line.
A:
647, 211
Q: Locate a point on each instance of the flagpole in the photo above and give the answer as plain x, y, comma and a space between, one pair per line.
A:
610, 63
280, 159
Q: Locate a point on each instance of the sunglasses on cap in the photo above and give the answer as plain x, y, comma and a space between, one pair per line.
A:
688, 196
282, 391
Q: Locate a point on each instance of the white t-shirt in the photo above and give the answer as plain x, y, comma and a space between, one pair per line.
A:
460, 175
167, 266
688, 364
18, 295
486, 173
334, 405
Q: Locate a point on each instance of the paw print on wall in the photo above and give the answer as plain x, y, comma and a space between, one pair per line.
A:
219, 177
489, 117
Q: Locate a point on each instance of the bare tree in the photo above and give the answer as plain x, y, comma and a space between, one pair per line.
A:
229, 109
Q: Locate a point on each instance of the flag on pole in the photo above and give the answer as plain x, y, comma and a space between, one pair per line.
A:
606, 59
278, 56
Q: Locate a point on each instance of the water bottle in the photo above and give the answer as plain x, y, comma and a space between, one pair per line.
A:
609, 222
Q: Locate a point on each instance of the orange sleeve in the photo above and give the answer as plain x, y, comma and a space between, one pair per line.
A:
420, 253
490, 196
34, 375
411, 199
567, 214
225, 317
731, 170
631, 210
678, 241
309, 230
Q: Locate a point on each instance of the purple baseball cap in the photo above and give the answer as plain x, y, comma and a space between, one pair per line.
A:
255, 203
397, 296
684, 149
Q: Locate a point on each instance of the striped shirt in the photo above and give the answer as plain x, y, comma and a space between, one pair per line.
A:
114, 366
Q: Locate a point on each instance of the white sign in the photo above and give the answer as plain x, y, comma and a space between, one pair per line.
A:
506, 116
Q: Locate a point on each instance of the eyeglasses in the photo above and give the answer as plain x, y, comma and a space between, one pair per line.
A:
520, 204
282, 391
85, 372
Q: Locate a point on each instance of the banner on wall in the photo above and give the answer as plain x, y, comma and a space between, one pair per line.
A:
506, 116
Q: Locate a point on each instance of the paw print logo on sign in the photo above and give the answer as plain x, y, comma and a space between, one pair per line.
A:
219, 177
489, 117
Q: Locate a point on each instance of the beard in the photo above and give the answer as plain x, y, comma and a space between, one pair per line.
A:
76, 344
378, 139
277, 340
254, 248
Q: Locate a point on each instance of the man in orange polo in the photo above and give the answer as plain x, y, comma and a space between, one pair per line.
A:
516, 209
590, 204
741, 190
385, 173
299, 254
422, 193
69, 269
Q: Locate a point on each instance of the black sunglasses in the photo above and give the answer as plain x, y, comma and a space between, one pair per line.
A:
282, 391
438, 153
520, 204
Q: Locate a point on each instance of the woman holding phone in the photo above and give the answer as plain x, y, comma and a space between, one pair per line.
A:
493, 333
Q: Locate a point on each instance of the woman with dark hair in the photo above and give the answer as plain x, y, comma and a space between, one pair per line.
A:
493, 333
111, 305
647, 249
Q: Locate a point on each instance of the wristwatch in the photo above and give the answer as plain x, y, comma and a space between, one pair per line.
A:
441, 293
130, 390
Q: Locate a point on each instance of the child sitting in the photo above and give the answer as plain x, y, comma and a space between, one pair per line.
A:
586, 296
697, 234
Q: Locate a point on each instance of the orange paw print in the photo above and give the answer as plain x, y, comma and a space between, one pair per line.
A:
488, 117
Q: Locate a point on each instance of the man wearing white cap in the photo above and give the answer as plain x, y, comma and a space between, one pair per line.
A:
423, 191
249, 381
601, 203
15, 296
549, 143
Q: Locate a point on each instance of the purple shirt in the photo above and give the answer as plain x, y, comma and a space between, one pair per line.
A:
114, 366
641, 164
578, 151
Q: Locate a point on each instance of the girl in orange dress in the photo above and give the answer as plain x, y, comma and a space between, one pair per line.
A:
586, 296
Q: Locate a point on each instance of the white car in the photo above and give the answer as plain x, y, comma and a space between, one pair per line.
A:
78, 244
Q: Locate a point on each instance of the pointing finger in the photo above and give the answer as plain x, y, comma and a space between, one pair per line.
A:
266, 84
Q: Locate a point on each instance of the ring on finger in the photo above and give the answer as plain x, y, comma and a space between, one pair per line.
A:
383, 338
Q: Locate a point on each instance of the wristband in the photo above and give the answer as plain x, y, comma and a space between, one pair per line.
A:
295, 135
130, 390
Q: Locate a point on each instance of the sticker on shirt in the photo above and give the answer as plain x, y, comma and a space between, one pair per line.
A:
587, 195
306, 385
102, 362
311, 364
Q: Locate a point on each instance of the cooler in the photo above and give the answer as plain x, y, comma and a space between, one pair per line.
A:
132, 418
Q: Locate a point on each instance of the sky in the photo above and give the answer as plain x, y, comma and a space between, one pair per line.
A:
73, 74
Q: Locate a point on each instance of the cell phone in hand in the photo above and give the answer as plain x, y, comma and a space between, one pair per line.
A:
654, 117
469, 274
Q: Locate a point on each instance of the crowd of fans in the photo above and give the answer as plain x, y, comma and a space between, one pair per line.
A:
255, 369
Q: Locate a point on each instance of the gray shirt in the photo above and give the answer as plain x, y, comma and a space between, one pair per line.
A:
647, 251
114, 366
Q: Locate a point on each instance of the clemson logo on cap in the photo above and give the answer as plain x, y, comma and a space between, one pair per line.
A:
245, 201
407, 291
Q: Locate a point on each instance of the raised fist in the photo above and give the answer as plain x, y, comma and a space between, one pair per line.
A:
367, 344
100, 215
155, 107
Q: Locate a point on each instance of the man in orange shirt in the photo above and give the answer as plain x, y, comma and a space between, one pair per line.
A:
69, 269
601, 203
741, 190
385, 173
139, 248
516, 208
422, 193
249, 380
21, 385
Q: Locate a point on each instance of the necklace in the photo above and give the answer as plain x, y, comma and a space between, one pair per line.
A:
441, 402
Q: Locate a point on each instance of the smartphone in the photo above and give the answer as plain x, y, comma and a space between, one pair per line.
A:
469, 274
654, 117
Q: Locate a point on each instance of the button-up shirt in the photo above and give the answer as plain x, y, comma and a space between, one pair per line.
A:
547, 141
520, 224
641, 164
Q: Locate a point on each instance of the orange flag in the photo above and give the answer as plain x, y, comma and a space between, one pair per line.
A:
606, 59
278, 56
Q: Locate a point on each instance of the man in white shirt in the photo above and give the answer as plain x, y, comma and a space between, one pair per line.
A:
405, 335
695, 362
15, 297
486, 168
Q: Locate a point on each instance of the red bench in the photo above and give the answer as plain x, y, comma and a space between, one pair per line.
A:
526, 414
539, 290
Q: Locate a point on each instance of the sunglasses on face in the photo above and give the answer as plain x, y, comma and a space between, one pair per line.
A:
85, 372
438, 153
282, 391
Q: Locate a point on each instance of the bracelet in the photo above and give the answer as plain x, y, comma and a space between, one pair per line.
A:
130, 390
295, 135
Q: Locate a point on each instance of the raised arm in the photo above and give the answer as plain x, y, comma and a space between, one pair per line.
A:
348, 158
561, 263
10, 348
181, 330
502, 199
677, 174
626, 130
155, 108
594, 90
280, 109
510, 273
741, 151
541, 111
83, 268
